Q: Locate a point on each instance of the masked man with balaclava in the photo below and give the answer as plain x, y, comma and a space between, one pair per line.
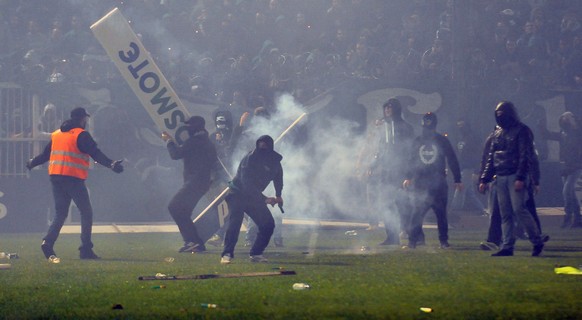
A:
223, 135
509, 163
426, 177
393, 137
199, 157
68, 155
255, 171
570, 139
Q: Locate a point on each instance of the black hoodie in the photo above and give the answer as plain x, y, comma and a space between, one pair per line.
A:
257, 169
199, 155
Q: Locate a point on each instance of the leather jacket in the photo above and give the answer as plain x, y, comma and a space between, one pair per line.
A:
511, 152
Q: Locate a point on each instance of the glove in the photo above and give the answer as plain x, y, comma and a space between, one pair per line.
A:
29, 164
116, 166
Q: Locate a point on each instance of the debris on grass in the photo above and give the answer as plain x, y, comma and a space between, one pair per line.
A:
567, 270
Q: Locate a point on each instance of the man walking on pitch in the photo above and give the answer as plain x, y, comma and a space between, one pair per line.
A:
255, 171
199, 155
68, 155
509, 163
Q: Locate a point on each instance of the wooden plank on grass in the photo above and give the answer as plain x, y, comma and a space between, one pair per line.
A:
215, 276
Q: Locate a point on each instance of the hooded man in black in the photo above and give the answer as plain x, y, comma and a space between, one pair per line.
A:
199, 155
255, 171
426, 175
393, 137
510, 163
68, 154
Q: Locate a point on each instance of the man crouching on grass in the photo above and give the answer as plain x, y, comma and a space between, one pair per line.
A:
255, 171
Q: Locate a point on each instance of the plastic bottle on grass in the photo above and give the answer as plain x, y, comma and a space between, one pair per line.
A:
301, 286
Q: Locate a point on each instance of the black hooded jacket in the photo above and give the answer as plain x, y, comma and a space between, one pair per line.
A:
512, 149
199, 155
257, 169
85, 143
431, 152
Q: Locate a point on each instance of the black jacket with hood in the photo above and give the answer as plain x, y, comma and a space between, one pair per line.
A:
512, 148
199, 155
257, 169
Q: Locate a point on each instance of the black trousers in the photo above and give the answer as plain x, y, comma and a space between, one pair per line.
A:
238, 205
181, 207
65, 189
435, 198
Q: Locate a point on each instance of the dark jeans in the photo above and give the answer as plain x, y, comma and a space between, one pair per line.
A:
434, 198
65, 189
181, 207
238, 205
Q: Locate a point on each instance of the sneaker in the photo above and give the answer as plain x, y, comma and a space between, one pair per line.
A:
215, 240
54, 259
503, 253
258, 258
187, 247
445, 245
89, 255
537, 250
198, 248
226, 259
488, 246
192, 247
47, 249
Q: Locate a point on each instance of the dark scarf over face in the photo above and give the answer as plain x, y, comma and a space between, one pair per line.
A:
506, 115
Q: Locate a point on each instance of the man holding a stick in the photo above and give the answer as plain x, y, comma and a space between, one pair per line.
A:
199, 155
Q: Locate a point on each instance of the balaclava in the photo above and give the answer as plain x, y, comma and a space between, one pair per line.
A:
506, 115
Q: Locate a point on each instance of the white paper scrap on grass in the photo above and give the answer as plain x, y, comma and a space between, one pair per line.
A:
141, 73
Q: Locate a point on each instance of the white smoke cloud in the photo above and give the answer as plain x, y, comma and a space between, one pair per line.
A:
318, 173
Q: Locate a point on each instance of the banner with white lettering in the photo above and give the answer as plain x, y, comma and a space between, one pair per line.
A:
141, 73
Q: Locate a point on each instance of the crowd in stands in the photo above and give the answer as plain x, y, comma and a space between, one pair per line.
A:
209, 49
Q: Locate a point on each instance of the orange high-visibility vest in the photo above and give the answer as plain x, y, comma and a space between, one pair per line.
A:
66, 159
